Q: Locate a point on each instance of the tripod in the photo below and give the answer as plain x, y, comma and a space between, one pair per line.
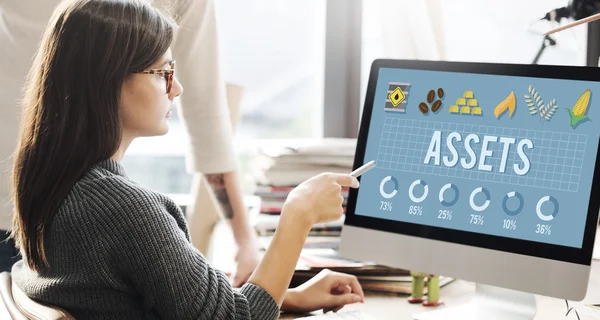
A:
548, 41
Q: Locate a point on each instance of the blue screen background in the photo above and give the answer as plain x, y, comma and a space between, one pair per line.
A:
562, 159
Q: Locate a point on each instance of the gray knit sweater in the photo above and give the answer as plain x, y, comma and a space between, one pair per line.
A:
119, 251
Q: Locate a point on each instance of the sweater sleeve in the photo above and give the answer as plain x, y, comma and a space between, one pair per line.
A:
151, 250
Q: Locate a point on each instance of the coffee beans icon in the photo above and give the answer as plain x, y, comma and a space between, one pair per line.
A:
430, 96
436, 105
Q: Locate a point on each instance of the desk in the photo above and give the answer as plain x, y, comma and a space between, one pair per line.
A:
386, 307
396, 307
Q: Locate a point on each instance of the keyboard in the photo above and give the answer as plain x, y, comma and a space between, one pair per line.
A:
342, 315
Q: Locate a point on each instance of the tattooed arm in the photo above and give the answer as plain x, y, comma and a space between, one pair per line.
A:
217, 182
228, 192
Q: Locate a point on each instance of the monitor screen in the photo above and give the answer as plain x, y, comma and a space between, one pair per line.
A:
503, 155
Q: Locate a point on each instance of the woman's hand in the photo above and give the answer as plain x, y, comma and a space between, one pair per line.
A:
328, 290
319, 199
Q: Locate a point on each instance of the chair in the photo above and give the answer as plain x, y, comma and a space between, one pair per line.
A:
18, 306
8, 309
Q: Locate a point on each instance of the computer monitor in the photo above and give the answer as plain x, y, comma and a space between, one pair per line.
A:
484, 172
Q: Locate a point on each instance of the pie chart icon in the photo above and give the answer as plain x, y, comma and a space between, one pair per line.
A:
512, 196
385, 193
411, 191
485, 204
448, 201
538, 208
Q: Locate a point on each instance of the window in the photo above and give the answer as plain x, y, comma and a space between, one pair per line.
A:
275, 51
465, 30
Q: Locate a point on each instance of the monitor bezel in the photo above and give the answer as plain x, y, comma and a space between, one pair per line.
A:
581, 255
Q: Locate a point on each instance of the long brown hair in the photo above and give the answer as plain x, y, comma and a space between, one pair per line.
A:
71, 106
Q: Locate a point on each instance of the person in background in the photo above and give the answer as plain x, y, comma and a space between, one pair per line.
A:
203, 109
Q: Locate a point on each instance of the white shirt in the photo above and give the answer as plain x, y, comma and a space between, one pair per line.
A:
203, 104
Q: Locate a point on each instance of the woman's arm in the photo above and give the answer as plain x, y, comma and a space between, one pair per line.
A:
276, 269
281, 258
148, 240
316, 200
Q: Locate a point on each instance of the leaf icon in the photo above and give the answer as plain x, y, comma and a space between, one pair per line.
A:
536, 105
530, 100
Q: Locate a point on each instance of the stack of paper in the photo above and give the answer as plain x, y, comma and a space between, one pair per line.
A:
371, 276
266, 224
288, 163
321, 253
281, 165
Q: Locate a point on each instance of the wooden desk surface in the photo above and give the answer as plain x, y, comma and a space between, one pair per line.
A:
396, 307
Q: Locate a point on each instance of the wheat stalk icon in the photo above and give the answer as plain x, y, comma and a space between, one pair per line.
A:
536, 105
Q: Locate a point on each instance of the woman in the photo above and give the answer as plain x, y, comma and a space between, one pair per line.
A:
203, 111
97, 244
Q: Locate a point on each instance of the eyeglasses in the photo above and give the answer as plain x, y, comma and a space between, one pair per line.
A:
167, 73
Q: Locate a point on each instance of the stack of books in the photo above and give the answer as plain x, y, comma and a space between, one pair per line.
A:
273, 197
285, 163
280, 166
321, 253
372, 277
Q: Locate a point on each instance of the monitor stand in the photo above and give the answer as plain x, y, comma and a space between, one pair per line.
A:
489, 303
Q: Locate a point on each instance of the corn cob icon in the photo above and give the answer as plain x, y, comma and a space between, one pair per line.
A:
578, 112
